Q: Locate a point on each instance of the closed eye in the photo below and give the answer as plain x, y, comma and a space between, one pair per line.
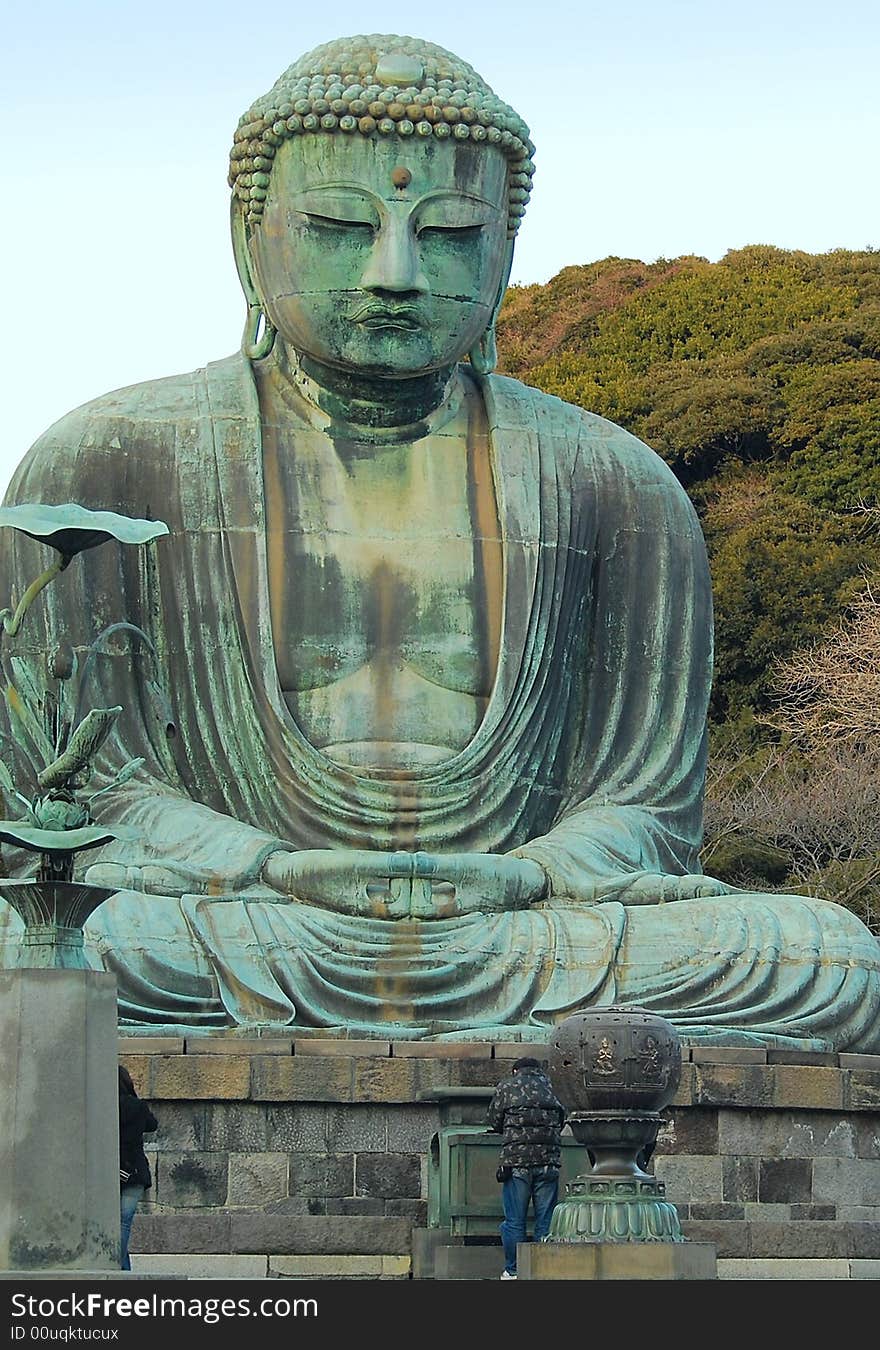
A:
336, 222
461, 230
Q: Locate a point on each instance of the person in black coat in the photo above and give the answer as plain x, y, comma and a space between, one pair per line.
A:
135, 1120
529, 1116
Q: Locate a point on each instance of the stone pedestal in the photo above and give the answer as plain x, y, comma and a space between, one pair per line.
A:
59, 1131
616, 1261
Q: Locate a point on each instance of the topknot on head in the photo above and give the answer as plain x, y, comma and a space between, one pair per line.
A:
379, 85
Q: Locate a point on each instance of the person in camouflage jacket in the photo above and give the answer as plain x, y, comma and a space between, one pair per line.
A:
529, 1116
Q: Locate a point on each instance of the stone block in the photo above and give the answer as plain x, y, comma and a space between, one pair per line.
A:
349, 1048
733, 1084
319, 1235
388, 1176
616, 1261
182, 1126
329, 1267
689, 1131
803, 1085
803, 1239
727, 1054
198, 1233
786, 1134
257, 1178
730, 1237
354, 1204
385, 1080
303, 1079
296, 1127
717, 1211
396, 1268
236, 1127
59, 1142
815, 1212
859, 1213
431, 1075
691, 1180
785, 1181
200, 1267
191, 1180
864, 1270
687, 1083
863, 1090
478, 1072
188, 1077
150, 1045
848, 1061
240, 1045
410, 1128
414, 1210
458, 1105
139, 1068
767, 1213
425, 1244
846, 1181
356, 1128
514, 1049
770, 1269
445, 1050
321, 1174
816, 1058
452, 1262
864, 1239
867, 1136
296, 1205
739, 1178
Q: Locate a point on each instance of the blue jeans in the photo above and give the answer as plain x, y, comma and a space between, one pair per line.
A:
540, 1185
129, 1199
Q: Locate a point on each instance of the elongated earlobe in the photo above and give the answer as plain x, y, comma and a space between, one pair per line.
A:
258, 337
483, 355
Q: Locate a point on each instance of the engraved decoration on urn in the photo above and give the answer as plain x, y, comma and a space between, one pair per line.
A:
613, 1059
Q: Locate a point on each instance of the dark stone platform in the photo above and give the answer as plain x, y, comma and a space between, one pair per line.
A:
310, 1146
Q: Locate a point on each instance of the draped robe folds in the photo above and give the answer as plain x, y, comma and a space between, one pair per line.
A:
590, 758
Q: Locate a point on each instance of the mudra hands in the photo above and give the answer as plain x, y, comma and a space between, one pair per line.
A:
405, 885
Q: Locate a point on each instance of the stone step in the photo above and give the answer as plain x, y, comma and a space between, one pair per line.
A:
186, 1265
770, 1269
803, 1239
258, 1233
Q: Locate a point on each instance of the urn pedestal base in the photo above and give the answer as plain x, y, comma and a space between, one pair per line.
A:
615, 1209
616, 1261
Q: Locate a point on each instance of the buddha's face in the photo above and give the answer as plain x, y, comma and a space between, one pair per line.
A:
382, 255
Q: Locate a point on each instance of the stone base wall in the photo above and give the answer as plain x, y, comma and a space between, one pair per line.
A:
317, 1150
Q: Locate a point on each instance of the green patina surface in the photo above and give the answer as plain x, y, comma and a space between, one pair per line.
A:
439, 644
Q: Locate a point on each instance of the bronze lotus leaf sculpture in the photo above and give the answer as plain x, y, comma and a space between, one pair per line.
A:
57, 744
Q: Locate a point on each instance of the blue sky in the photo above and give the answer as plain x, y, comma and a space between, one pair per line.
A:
661, 129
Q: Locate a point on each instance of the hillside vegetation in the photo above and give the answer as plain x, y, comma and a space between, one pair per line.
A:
757, 378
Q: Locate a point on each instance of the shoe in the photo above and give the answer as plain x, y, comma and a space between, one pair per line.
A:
506, 1275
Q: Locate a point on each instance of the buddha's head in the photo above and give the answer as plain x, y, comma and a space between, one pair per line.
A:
377, 191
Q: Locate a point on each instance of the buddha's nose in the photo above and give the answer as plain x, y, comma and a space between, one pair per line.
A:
394, 263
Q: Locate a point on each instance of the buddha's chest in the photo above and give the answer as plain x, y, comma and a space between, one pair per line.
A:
385, 587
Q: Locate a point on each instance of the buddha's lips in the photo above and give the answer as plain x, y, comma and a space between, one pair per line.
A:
381, 316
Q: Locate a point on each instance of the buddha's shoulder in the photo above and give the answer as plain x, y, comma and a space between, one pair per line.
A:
156, 411
589, 444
